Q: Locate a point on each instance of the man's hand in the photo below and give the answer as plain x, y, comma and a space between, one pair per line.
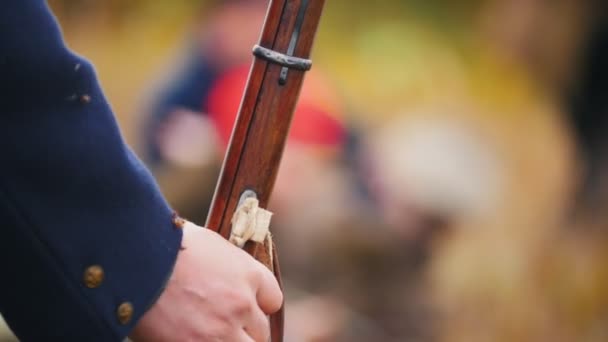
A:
216, 293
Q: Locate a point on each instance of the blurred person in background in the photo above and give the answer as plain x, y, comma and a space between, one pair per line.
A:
189, 123
180, 141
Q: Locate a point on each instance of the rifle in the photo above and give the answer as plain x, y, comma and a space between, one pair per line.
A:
262, 125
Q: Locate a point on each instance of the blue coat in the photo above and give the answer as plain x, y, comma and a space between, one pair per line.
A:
86, 239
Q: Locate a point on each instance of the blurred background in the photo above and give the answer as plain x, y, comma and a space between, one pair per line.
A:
444, 179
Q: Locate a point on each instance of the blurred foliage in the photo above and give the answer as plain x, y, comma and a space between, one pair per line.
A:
380, 53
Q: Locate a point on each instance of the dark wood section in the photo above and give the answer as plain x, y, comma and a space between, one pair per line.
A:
262, 126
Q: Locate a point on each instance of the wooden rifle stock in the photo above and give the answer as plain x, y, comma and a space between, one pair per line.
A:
262, 125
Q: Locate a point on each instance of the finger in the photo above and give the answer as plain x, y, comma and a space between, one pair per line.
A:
258, 326
244, 337
269, 295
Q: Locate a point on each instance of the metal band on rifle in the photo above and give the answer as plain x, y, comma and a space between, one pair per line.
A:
282, 59
287, 61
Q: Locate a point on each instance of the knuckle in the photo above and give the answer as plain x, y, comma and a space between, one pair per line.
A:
219, 330
243, 310
238, 302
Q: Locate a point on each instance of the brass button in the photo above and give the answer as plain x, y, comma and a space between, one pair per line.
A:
124, 312
93, 276
178, 222
85, 98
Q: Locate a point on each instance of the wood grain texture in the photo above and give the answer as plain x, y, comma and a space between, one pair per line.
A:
262, 126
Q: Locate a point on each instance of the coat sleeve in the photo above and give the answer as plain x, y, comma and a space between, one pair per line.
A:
86, 239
